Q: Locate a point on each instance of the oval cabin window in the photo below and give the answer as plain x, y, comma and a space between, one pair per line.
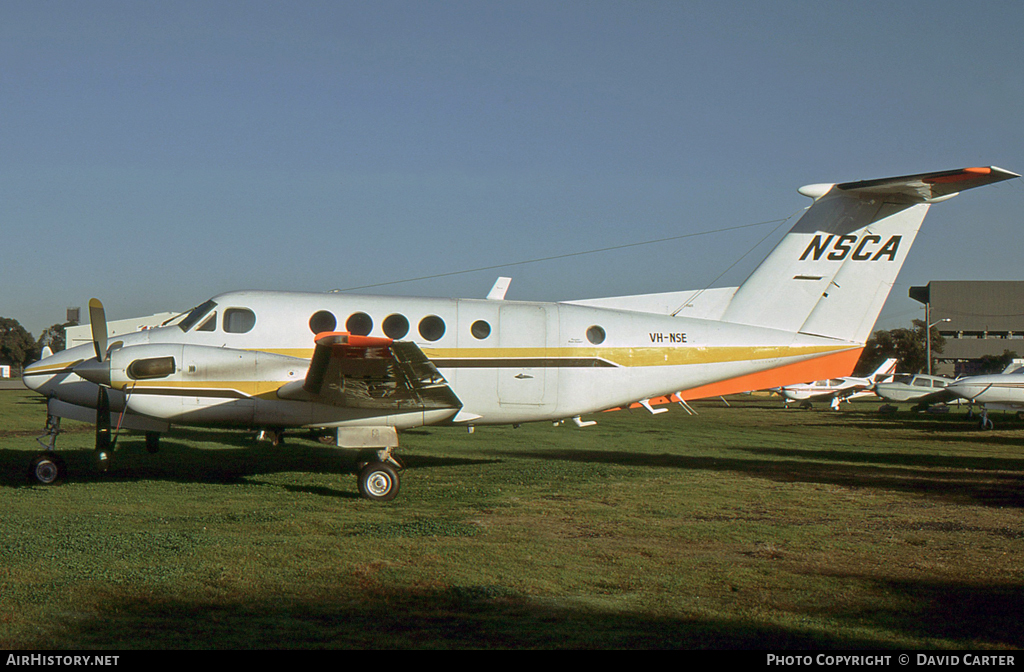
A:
321, 321
395, 326
432, 327
480, 330
359, 324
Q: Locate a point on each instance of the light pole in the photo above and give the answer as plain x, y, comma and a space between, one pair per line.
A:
928, 340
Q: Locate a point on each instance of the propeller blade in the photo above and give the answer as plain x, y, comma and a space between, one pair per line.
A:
98, 323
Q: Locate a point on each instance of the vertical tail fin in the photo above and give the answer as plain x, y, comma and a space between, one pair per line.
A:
831, 274
885, 369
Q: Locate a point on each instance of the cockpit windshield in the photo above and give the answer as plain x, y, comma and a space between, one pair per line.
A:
197, 314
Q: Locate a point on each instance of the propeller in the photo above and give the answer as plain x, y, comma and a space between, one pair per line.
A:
98, 324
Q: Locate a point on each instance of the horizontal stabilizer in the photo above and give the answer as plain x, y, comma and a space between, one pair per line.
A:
929, 187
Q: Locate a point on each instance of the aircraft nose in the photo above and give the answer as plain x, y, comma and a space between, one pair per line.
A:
53, 369
967, 390
31, 375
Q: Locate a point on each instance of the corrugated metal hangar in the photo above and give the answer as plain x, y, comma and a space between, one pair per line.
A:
976, 317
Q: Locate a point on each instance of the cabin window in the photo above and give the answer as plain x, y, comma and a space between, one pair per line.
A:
480, 329
922, 382
359, 324
595, 335
239, 320
395, 326
209, 325
432, 327
322, 321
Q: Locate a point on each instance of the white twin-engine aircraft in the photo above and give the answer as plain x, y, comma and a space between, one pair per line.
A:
369, 366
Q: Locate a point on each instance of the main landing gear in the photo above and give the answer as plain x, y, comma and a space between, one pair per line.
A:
377, 467
378, 475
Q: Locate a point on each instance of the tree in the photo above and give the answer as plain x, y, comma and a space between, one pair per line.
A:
54, 337
17, 347
906, 345
995, 363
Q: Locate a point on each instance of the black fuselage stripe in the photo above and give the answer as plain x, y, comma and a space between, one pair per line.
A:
521, 362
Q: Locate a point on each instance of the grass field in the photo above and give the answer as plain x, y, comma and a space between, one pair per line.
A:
742, 527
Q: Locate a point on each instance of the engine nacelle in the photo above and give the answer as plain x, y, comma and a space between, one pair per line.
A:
191, 383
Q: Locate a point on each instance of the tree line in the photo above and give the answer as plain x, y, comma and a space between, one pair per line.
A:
18, 348
908, 346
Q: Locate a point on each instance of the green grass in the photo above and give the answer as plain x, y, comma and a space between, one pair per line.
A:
742, 527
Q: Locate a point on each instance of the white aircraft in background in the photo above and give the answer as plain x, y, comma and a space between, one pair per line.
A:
995, 392
836, 390
369, 366
911, 386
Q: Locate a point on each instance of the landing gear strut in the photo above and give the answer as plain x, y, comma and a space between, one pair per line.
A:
47, 468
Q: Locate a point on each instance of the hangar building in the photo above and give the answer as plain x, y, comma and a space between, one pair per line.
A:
984, 318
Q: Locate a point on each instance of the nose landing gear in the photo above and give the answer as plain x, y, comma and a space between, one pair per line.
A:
47, 468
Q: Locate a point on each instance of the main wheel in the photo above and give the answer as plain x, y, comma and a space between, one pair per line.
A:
378, 482
47, 469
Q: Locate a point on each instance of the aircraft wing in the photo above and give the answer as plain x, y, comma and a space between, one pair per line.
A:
940, 396
373, 373
820, 396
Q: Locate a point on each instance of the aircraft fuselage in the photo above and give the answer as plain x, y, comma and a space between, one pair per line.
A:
506, 361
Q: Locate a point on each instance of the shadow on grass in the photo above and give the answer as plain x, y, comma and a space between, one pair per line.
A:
236, 458
458, 617
953, 481
937, 610
906, 459
929, 613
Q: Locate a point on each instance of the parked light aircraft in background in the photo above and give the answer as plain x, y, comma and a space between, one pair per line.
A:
369, 366
911, 386
995, 392
836, 390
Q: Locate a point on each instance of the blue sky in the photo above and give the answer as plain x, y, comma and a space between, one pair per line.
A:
156, 153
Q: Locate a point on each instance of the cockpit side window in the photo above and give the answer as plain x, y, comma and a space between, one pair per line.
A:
239, 320
197, 314
210, 324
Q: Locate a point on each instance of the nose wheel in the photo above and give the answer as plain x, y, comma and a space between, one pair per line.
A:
47, 469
